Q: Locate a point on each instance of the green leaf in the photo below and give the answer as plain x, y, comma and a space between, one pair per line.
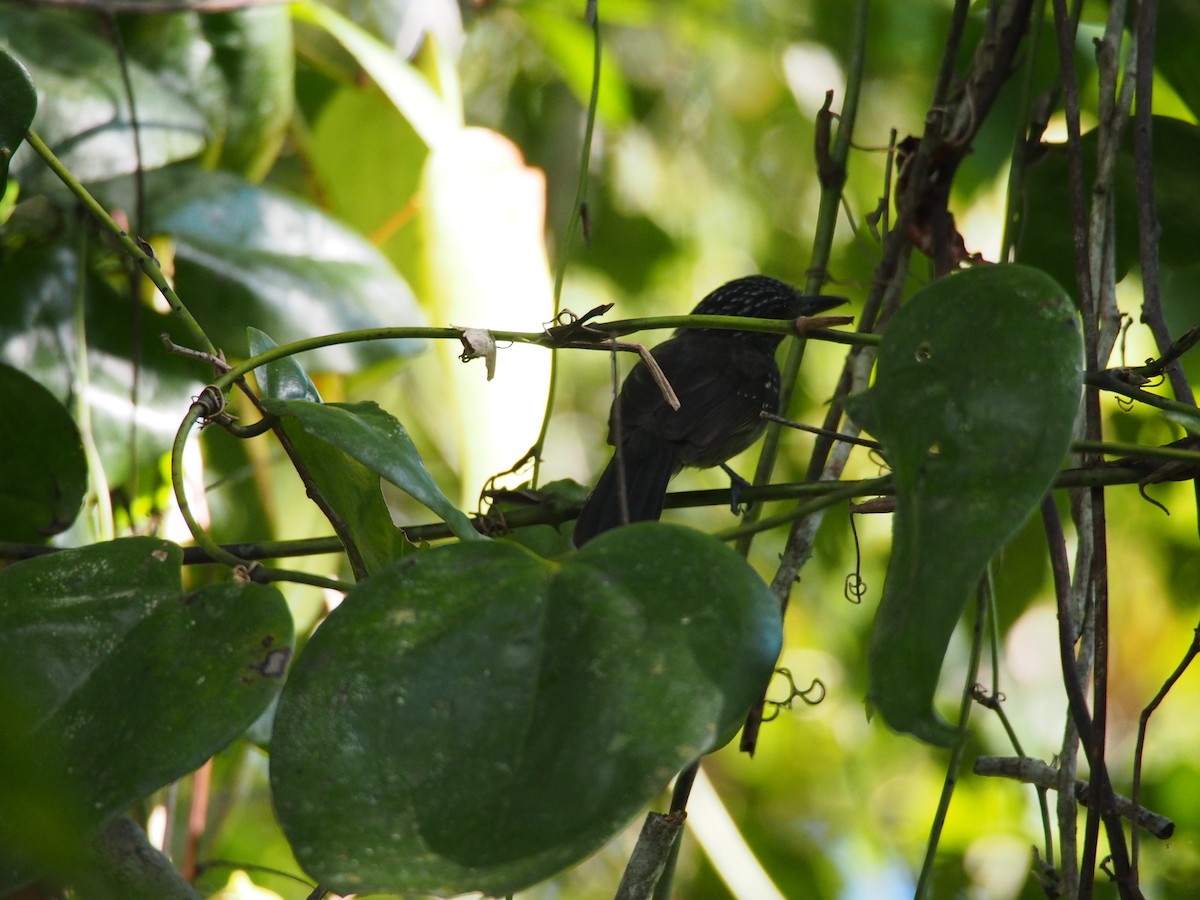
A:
253, 50
38, 335
386, 157
976, 389
283, 379
1181, 308
1046, 241
377, 440
82, 111
18, 102
433, 119
491, 717
248, 255
44, 476
237, 66
1174, 57
114, 683
569, 41
351, 489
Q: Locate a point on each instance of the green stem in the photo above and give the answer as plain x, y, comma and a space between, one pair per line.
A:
145, 261
577, 213
201, 537
832, 182
105, 527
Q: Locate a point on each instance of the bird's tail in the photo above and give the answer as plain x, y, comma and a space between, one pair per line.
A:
649, 465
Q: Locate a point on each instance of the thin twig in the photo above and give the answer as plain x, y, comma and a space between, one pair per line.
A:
1039, 774
1143, 722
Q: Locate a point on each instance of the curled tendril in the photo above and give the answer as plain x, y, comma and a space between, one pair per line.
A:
980, 695
855, 587
212, 402
1151, 500
810, 696
1107, 868
1126, 324
1157, 381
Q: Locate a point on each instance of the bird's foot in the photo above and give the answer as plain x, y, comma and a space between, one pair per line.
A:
736, 485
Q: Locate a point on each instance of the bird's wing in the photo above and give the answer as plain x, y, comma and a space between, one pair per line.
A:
719, 386
717, 415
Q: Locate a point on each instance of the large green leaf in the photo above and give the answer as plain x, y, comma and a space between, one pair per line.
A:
249, 255
18, 102
491, 717
114, 682
82, 109
976, 389
378, 441
44, 475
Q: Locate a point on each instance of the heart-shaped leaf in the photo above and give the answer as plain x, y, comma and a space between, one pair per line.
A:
114, 683
475, 717
976, 389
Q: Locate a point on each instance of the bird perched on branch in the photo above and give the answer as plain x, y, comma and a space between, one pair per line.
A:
724, 381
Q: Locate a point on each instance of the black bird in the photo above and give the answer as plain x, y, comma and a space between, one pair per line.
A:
724, 381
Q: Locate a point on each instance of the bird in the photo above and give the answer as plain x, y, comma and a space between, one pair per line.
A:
724, 379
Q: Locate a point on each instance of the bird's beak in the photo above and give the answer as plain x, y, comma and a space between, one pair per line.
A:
808, 320
814, 304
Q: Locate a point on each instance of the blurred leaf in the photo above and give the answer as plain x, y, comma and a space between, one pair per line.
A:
1181, 308
18, 102
976, 389
378, 441
432, 119
237, 66
570, 42
1046, 239
350, 488
1174, 51
483, 221
38, 335
82, 111
116, 683
492, 717
371, 182
253, 50
249, 255
44, 476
